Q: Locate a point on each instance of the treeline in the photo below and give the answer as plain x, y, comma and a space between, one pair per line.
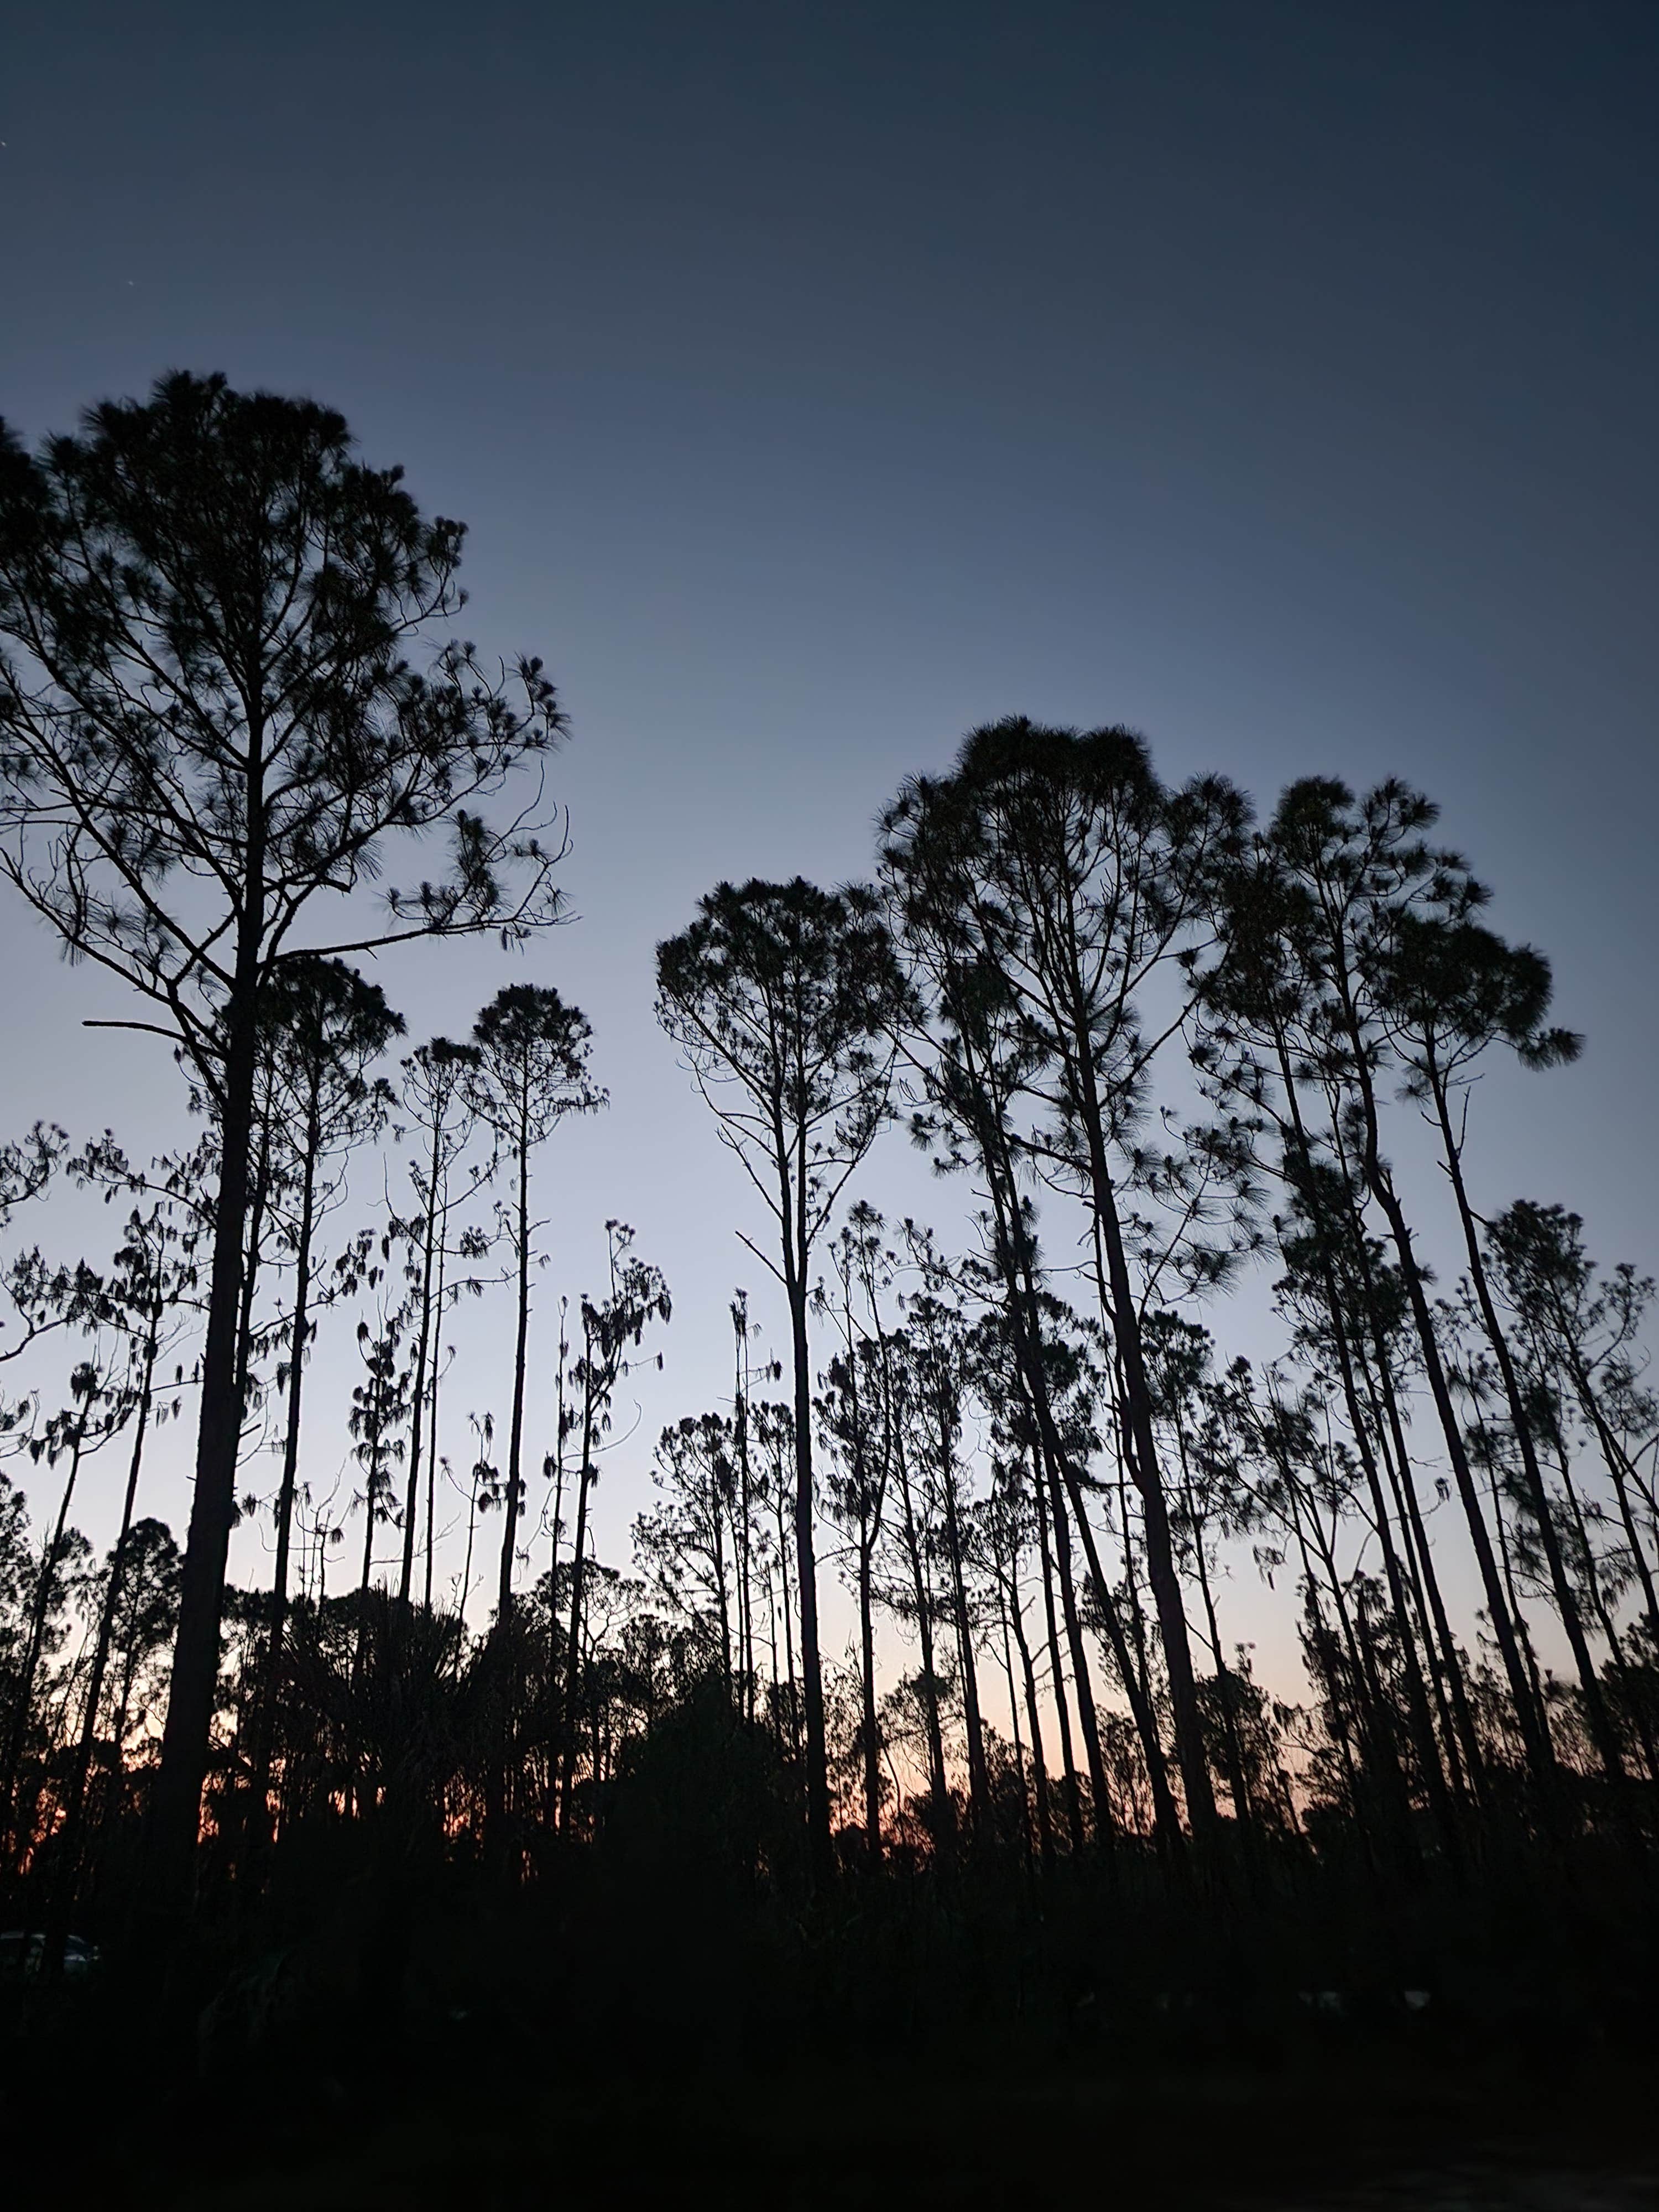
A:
1156, 1047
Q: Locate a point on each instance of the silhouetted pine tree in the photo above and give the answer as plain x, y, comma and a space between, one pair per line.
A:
208, 606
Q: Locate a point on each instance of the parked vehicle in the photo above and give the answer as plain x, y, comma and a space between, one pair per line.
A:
23, 1952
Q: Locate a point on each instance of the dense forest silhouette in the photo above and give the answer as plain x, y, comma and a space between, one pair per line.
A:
1157, 1046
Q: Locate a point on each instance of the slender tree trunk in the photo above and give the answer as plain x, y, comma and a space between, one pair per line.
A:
1417, 1701
1422, 1724
1034, 1728
741, 1532
515, 1435
979, 1786
781, 1500
1618, 1466
772, 1640
1459, 1731
472, 1524
1535, 1735
1326, 1664
1137, 1612
371, 1498
1124, 1316
745, 1519
432, 1429
1635, 1706
1338, 1698
1032, 1382
578, 1566
721, 1608
265, 1731
258, 1200
1237, 1787
1087, 1712
1506, 1554
75, 1803
868, 1686
820, 1846
556, 1713
358, 1740
423, 1334
1540, 1758
175, 1803
1232, 1757
1013, 1717
1372, 1720
1603, 1732
943, 1804
1015, 1266
1073, 1812
46, 1590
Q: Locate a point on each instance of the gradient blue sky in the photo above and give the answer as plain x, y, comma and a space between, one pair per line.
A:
819, 381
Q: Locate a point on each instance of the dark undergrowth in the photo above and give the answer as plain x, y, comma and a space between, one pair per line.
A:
621, 2033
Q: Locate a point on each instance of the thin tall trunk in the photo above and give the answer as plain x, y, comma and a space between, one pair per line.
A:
432, 1429
943, 1804
1603, 1732
1617, 1466
472, 1524
868, 1687
1322, 1646
175, 1804
258, 1204
1073, 1810
556, 1715
1033, 1723
264, 1727
578, 1567
46, 1590
1136, 1611
721, 1607
1420, 1719
792, 1715
1373, 1721
979, 1787
1428, 1755
558, 1502
1032, 1382
1124, 1316
370, 1500
423, 1339
745, 1509
1088, 1717
515, 1434
1506, 1553
1636, 1704
1560, 1341
1013, 1717
74, 1804
1540, 1758
820, 1846
1233, 1756
1016, 1264
1464, 1735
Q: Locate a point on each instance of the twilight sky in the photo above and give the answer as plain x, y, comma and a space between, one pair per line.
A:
819, 381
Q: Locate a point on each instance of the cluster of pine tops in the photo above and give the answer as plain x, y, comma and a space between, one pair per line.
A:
1157, 1047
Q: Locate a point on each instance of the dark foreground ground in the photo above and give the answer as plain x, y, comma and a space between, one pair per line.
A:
1356, 2132
896, 2049
1231, 2144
